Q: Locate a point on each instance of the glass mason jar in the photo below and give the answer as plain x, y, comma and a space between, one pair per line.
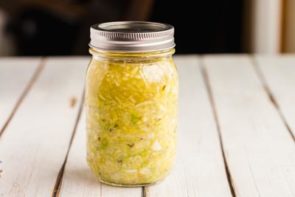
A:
131, 102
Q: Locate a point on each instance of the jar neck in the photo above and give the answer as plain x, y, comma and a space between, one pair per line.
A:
134, 55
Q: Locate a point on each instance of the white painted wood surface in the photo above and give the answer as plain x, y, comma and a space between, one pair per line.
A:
199, 169
279, 75
15, 74
259, 150
36, 140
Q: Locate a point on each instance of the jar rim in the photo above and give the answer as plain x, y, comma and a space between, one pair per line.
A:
132, 36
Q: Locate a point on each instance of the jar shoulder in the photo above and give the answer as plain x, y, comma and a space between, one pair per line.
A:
149, 71
131, 81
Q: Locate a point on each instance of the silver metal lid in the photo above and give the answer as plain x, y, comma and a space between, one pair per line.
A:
133, 36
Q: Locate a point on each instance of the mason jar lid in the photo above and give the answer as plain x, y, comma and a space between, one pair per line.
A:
133, 36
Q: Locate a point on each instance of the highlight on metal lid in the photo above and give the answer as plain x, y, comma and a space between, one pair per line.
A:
132, 36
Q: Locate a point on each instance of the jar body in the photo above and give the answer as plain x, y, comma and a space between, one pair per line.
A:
131, 103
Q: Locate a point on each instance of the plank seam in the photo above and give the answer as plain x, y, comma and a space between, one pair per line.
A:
59, 178
144, 191
217, 124
100, 191
24, 93
270, 95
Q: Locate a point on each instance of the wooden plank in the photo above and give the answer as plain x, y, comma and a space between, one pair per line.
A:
258, 147
109, 191
79, 181
278, 72
34, 148
15, 76
199, 169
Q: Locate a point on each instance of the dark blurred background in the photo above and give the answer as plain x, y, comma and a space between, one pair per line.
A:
61, 27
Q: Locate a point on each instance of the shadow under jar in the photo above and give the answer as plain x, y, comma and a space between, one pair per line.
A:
131, 102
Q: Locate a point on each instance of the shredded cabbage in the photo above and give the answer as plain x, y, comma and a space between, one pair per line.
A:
131, 119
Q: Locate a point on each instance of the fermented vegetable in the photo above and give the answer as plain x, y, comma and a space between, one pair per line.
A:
131, 102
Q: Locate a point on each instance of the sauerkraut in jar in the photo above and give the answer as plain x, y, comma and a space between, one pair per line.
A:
131, 102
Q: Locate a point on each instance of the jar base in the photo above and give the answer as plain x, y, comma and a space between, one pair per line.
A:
128, 185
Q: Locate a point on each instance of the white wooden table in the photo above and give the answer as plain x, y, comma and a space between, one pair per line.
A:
236, 129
